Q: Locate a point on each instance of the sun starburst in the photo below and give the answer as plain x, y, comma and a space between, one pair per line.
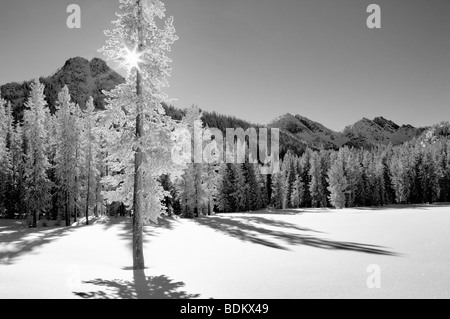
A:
132, 59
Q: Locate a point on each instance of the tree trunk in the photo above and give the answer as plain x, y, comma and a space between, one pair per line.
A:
67, 209
35, 219
138, 254
209, 206
88, 187
88, 198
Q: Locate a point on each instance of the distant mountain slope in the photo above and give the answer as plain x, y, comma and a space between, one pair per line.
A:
379, 131
364, 133
84, 78
312, 133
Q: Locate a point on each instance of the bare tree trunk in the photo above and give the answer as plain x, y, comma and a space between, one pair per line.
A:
138, 254
67, 209
75, 210
35, 218
88, 184
209, 206
88, 196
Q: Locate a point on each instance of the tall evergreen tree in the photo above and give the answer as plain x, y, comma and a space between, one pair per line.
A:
66, 158
317, 172
5, 160
401, 174
253, 191
277, 191
297, 192
91, 150
134, 114
193, 189
240, 187
225, 201
262, 181
305, 163
18, 190
337, 181
38, 185
352, 170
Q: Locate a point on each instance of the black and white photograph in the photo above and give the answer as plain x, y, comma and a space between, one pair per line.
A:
215, 151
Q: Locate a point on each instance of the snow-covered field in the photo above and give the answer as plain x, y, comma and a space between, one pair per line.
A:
287, 254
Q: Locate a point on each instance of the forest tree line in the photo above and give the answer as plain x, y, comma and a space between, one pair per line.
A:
54, 166
416, 172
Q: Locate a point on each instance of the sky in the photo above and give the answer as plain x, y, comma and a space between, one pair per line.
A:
260, 59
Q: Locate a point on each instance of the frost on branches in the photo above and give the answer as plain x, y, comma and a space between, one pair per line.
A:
140, 45
5, 160
38, 185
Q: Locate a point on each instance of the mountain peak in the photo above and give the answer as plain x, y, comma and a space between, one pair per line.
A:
76, 61
83, 77
384, 123
308, 131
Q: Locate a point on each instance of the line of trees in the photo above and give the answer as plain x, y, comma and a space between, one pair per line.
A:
413, 173
59, 166
51, 164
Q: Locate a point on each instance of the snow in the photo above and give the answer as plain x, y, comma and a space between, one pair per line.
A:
288, 254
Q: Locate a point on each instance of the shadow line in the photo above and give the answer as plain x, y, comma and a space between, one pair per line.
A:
22, 245
251, 229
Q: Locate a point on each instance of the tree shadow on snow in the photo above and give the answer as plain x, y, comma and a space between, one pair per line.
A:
402, 207
285, 212
23, 240
253, 229
153, 230
142, 287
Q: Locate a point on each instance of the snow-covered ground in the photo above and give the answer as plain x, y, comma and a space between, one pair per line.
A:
287, 254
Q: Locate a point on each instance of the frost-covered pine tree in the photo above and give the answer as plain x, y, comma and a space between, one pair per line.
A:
401, 174
253, 191
38, 185
211, 186
225, 200
262, 182
79, 161
66, 153
317, 186
52, 143
305, 163
18, 157
353, 176
91, 150
17, 169
288, 178
337, 181
240, 187
277, 190
297, 192
5, 159
193, 190
139, 134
